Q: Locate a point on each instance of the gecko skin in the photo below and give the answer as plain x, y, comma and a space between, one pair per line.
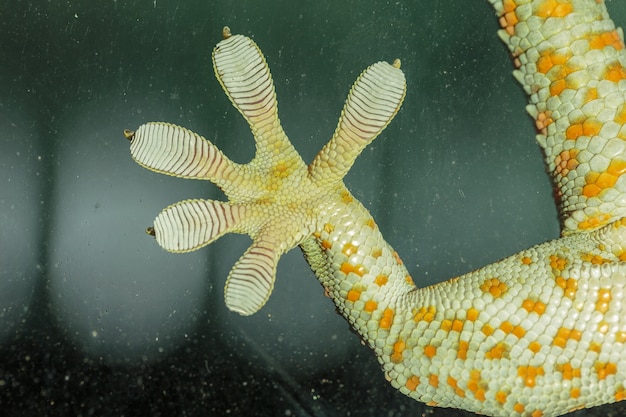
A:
540, 333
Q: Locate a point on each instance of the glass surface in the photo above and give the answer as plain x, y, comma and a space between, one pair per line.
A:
96, 319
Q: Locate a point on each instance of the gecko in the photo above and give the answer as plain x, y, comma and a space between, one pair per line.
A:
540, 333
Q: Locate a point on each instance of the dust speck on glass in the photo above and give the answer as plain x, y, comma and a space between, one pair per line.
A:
96, 319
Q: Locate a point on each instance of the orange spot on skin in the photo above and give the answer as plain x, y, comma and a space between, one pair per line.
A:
472, 314
349, 249
398, 348
346, 197
457, 325
591, 190
433, 380
508, 21
377, 252
347, 268
412, 383
370, 306
561, 282
557, 87
519, 408
326, 244
519, 332
397, 257
606, 39
354, 295
620, 115
553, 8
462, 350
534, 347
526, 260
590, 94
508, 6
381, 280
604, 298
387, 319
595, 347
454, 384
574, 131
476, 385
594, 259
599, 181
558, 263
480, 394
606, 180
616, 167
568, 371
570, 291
446, 325
506, 327
501, 397
534, 306
565, 162
426, 314
543, 120
530, 374
371, 223
328, 228
588, 127
494, 286
454, 325
604, 369
430, 351
564, 334
603, 327
281, 170
594, 222
620, 337
620, 393
499, 351
569, 286
549, 59
487, 330
409, 280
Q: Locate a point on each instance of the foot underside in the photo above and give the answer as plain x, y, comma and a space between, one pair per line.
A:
276, 198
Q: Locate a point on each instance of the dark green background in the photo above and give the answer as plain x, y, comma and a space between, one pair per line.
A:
95, 319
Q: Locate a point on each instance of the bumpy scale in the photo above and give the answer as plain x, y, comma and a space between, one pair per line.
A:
540, 333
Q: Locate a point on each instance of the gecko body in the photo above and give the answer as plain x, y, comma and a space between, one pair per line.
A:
540, 333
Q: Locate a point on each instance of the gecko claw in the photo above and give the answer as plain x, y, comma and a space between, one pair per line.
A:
129, 134
226, 33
